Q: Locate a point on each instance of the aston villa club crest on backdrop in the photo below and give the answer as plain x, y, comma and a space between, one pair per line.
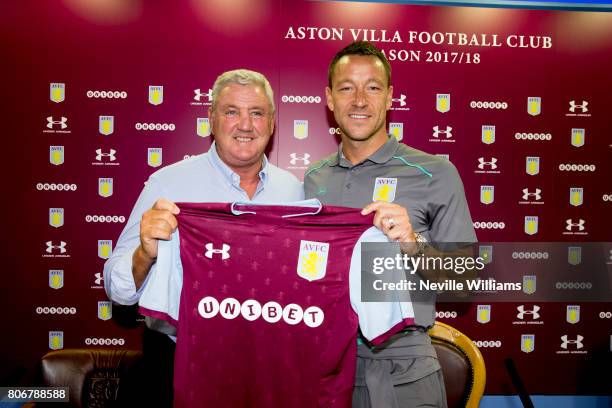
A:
486, 253
483, 314
156, 94
105, 311
56, 155
312, 260
105, 187
529, 284
300, 129
56, 217
396, 130
572, 314
57, 92
575, 197
154, 156
487, 194
488, 134
532, 165
56, 340
443, 102
384, 189
203, 127
105, 248
527, 343
578, 137
531, 225
56, 278
574, 255
534, 105
106, 125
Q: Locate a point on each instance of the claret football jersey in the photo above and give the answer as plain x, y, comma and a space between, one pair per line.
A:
266, 301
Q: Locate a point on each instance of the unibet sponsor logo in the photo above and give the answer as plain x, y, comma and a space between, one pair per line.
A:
573, 285
531, 197
577, 167
443, 102
155, 126
488, 105
488, 343
533, 136
335, 131
312, 260
154, 156
55, 310
156, 94
578, 109
528, 315
56, 155
251, 310
57, 92
105, 218
106, 94
298, 162
55, 187
384, 189
56, 340
56, 124
446, 314
104, 341
300, 99
489, 225
535, 255
534, 105
442, 135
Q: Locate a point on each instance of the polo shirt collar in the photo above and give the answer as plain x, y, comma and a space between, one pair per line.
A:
382, 155
228, 173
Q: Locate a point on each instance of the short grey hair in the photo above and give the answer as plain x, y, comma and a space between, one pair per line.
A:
242, 77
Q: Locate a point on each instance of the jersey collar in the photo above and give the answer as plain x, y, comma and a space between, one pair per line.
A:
381, 156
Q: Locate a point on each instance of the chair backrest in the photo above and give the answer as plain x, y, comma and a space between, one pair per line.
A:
462, 364
93, 376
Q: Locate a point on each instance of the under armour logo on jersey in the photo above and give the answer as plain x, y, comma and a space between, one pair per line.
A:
536, 195
570, 224
210, 250
522, 312
448, 132
50, 247
62, 122
199, 94
111, 154
482, 163
401, 100
295, 158
99, 278
578, 342
583, 106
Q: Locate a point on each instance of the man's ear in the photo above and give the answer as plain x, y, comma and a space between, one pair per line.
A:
328, 97
390, 97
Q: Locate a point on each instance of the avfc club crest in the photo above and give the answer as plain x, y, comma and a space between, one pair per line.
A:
56, 340
531, 225
156, 94
106, 125
105, 310
486, 253
312, 260
56, 217
154, 156
487, 194
575, 197
396, 130
384, 189
483, 314
56, 155
300, 129
532, 165
488, 134
527, 343
529, 284
572, 314
534, 105
574, 255
105, 248
203, 127
57, 92
443, 102
56, 278
578, 137
105, 187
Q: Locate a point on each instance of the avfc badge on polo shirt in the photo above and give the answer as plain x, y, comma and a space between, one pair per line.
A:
384, 189
312, 260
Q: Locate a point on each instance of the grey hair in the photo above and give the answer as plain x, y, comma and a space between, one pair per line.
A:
242, 77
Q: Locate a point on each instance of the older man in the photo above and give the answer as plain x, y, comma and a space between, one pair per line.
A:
416, 197
234, 169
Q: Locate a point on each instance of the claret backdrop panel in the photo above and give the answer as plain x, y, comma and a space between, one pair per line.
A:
99, 95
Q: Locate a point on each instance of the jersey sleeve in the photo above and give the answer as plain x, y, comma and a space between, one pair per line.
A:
378, 321
161, 296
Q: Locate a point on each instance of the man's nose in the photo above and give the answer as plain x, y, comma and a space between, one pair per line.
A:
246, 122
360, 98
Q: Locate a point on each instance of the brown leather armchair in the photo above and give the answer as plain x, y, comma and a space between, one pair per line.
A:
462, 366
96, 377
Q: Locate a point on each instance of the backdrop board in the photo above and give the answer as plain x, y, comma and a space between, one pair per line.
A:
99, 95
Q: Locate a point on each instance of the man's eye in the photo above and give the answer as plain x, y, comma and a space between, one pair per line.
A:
374, 88
231, 112
257, 114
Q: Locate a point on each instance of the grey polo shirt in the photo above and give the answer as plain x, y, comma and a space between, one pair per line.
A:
430, 189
